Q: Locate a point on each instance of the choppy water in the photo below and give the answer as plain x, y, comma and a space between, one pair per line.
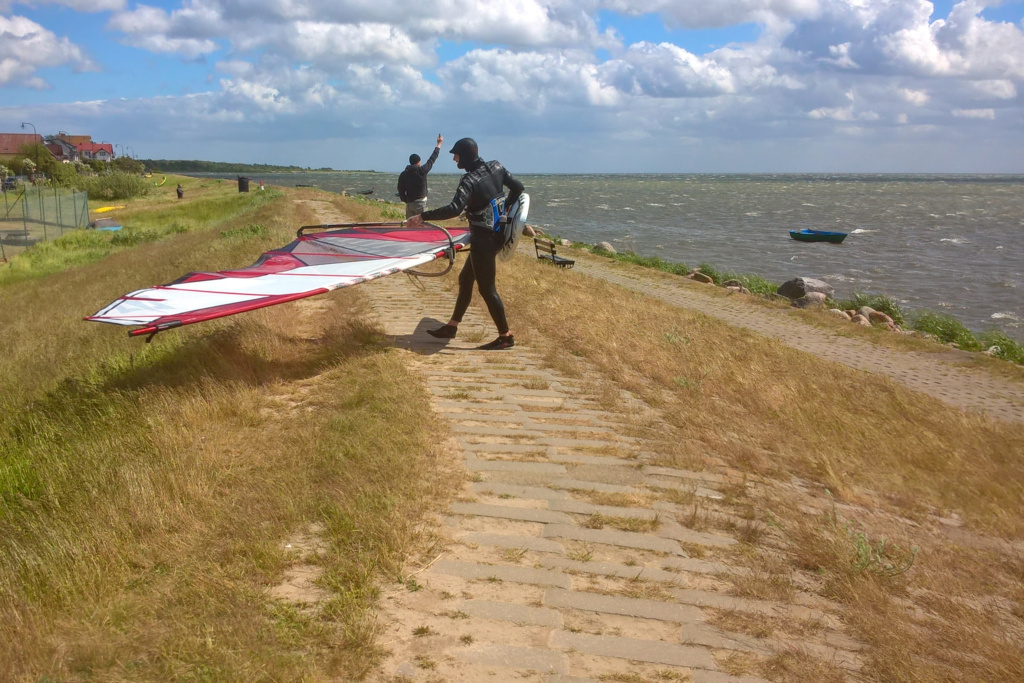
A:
946, 243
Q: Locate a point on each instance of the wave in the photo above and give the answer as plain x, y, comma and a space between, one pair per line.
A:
861, 231
954, 240
1005, 315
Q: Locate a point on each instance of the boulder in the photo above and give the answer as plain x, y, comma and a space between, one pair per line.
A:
850, 312
801, 286
739, 290
810, 300
861, 320
565, 243
840, 314
605, 246
701, 277
866, 311
732, 283
881, 318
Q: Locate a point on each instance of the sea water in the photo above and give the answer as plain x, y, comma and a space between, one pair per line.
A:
947, 243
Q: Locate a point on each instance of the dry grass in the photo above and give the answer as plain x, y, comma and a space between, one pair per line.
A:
889, 453
146, 491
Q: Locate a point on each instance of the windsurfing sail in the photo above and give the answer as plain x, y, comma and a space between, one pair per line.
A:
322, 258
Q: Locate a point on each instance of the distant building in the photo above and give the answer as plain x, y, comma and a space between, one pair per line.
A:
61, 149
11, 144
102, 151
75, 140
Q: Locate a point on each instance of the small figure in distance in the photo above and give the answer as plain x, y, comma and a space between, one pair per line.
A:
480, 193
181, 191
412, 183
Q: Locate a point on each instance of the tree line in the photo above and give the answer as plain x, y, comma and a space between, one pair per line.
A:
199, 166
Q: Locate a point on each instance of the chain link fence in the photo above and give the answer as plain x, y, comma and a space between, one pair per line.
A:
35, 214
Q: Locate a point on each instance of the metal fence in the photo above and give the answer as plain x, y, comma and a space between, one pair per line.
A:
35, 214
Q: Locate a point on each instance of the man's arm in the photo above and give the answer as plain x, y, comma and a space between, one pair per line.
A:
425, 168
457, 205
433, 157
512, 183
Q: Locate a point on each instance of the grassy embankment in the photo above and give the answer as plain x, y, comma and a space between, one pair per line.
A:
895, 461
932, 326
147, 492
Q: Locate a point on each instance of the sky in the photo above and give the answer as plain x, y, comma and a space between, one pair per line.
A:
545, 86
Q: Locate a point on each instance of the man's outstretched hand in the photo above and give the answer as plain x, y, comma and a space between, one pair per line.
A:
440, 139
414, 222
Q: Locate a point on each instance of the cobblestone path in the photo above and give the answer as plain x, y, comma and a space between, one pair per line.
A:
565, 558
928, 373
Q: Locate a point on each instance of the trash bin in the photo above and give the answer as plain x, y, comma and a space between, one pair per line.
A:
243, 184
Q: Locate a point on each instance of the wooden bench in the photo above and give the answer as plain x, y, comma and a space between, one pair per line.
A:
546, 250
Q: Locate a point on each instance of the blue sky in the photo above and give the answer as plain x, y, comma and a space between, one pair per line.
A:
544, 85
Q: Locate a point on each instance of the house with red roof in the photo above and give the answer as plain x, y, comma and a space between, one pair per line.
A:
104, 151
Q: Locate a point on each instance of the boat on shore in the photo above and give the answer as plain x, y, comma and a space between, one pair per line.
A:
807, 235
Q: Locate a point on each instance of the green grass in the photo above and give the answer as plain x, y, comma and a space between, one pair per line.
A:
945, 328
80, 247
147, 490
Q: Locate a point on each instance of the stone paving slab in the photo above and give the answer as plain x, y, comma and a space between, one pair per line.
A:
620, 571
513, 466
629, 607
472, 570
533, 492
583, 508
678, 532
540, 545
505, 512
635, 650
569, 483
623, 539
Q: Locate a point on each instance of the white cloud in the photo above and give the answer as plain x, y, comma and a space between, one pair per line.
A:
153, 29
25, 47
718, 13
1001, 89
915, 97
974, 113
529, 79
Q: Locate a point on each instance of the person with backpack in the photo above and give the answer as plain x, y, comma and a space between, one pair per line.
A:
412, 183
481, 195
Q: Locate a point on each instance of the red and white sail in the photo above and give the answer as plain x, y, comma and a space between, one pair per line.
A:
313, 264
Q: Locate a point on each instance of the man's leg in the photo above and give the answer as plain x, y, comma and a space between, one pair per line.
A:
485, 270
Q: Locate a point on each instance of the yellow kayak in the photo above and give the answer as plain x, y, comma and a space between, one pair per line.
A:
104, 209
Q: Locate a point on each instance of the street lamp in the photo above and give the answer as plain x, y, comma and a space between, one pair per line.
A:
36, 145
121, 146
132, 155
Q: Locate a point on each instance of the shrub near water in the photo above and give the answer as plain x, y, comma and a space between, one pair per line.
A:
116, 185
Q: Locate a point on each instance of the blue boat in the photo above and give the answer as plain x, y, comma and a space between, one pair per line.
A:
806, 235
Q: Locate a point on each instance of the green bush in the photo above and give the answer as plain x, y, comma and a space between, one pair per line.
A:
115, 185
1006, 348
946, 328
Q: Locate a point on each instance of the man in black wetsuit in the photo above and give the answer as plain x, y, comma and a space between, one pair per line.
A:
412, 183
482, 183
